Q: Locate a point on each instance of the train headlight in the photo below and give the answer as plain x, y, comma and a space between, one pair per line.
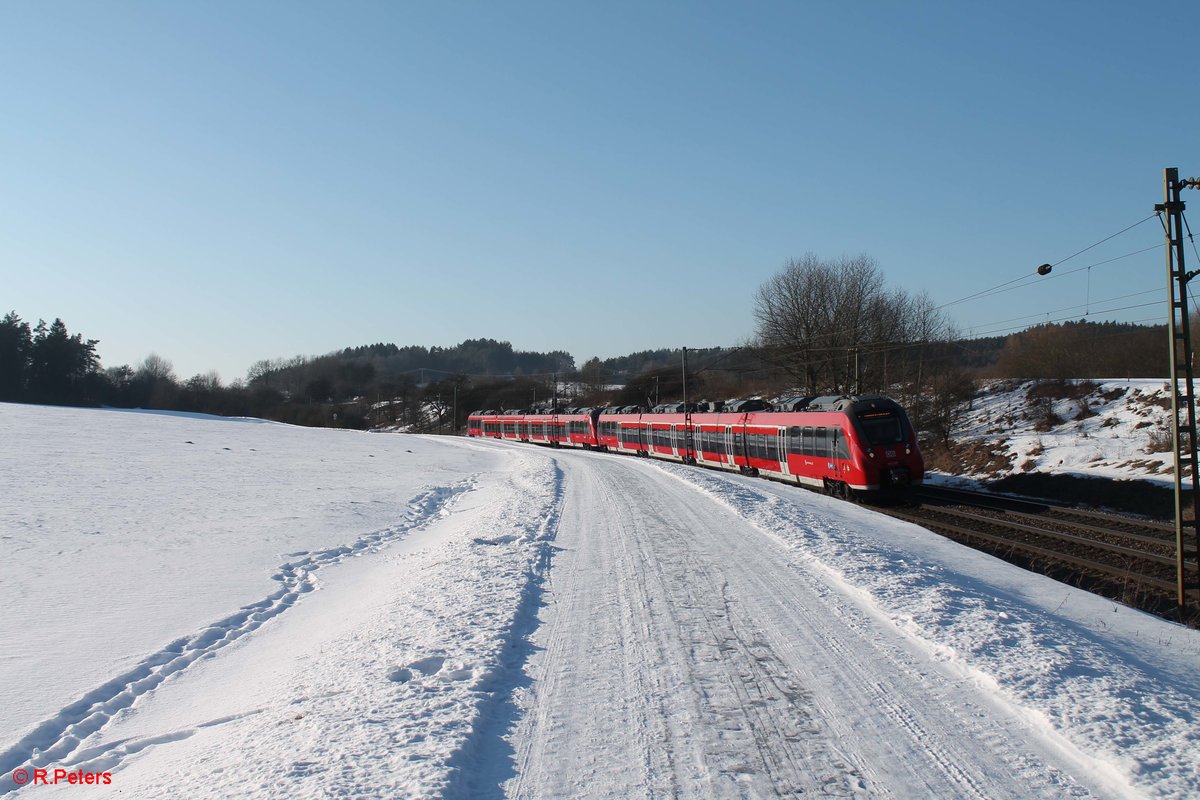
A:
870, 453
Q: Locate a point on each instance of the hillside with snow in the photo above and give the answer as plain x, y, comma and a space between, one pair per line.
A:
207, 608
1115, 429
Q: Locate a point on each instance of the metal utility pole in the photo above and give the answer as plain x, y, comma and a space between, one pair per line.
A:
857, 374
1183, 398
688, 458
554, 416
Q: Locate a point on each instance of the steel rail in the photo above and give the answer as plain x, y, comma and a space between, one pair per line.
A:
1065, 537
1053, 555
991, 499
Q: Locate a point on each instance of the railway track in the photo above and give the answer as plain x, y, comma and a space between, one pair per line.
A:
1125, 558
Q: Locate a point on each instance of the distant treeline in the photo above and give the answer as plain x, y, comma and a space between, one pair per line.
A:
389, 363
47, 364
422, 388
382, 384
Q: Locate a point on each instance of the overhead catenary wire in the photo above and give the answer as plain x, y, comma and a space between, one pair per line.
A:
1070, 318
935, 356
815, 338
1044, 279
1191, 239
1002, 286
1085, 306
1105, 239
809, 342
868, 347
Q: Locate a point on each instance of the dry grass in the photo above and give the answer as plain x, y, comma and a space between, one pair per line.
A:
1047, 421
1161, 441
1060, 390
1113, 394
970, 458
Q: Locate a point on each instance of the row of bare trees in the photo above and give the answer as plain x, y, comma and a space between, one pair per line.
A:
835, 327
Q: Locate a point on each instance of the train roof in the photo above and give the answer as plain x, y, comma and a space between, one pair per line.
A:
852, 403
846, 404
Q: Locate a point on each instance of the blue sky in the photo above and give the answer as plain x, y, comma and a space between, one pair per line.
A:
225, 182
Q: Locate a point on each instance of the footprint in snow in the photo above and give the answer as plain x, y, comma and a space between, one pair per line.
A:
433, 667
506, 539
428, 666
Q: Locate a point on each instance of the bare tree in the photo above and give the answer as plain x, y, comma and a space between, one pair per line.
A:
156, 368
822, 318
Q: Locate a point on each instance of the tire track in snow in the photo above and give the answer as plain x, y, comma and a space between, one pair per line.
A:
57, 740
769, 513
580, 662
655, 681
758, 734
695, 657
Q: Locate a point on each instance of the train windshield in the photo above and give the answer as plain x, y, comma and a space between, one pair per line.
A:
882, 428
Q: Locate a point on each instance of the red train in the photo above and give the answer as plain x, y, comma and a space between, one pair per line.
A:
843, 445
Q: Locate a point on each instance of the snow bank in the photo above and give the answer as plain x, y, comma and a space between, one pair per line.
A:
1112, 429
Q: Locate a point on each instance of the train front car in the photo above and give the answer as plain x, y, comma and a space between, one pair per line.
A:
886, 445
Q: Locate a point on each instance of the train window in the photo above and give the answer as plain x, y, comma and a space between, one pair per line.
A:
820, 446
795, 441
770, 447
880, 430
841, 445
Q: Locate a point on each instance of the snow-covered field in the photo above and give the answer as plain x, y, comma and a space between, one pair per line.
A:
1110, 429
219, 608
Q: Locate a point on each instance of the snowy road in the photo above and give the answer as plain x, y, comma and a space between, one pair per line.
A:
276, 612
685, 653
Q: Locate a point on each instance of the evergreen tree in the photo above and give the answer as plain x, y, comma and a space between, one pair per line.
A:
16, 345
60, 363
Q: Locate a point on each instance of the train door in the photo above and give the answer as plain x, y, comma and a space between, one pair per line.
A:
781, 450
730, 446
